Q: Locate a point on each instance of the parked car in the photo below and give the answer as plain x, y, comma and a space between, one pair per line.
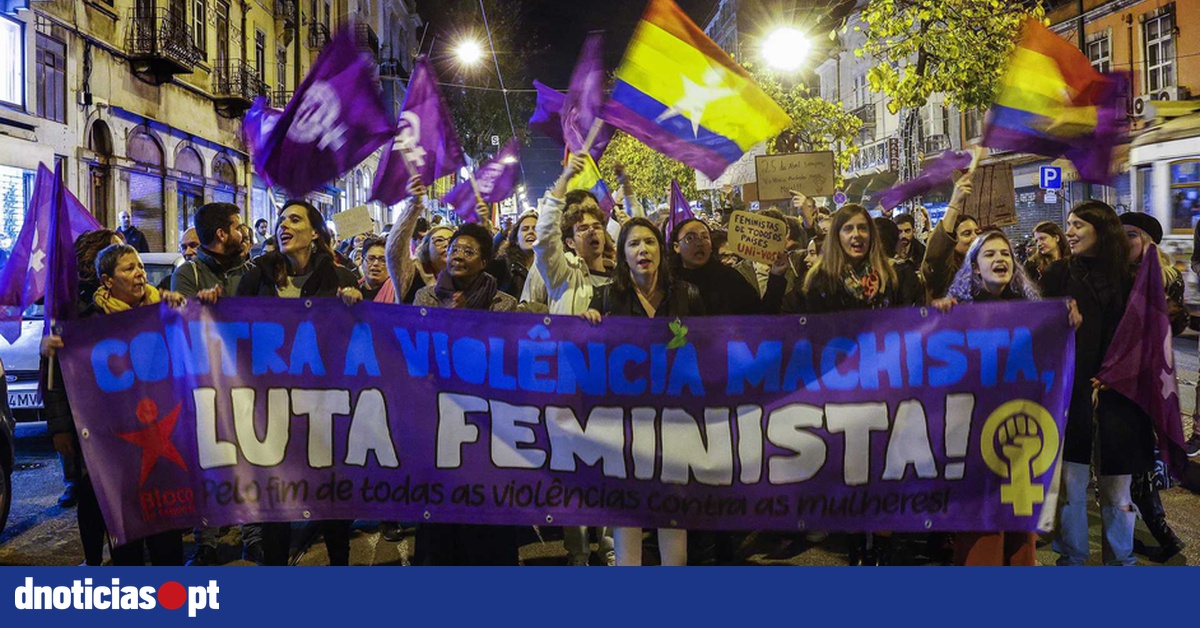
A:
8, 440
22, 357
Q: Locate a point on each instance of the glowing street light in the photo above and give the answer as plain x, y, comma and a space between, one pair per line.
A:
469, 52
786, 49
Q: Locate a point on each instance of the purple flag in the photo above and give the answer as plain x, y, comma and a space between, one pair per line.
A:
256, 127
24, 279
494, 181
939, 171
585, 98
1140, 363
547, 114
336, 119
425, 140
62, 278
681, 211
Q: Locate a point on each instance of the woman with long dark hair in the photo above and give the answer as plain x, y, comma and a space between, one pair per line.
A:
642, 286
1050, 245
949, 241
304, 266
692, 257
1099, 278
511, 266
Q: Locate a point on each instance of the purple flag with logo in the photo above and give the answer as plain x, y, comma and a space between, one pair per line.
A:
1140, 363
53, 221
547, 113
681, 210
336, 119
857, 421
585, 98
425, 140
495, 181
939, 171
256, 126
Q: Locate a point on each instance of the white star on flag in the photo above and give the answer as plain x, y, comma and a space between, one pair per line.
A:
696, 98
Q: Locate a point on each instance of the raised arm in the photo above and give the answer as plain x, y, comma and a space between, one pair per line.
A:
399, 261
549, 254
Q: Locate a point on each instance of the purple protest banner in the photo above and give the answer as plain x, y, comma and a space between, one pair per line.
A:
295, 409
494, 181
425, 140
336, 119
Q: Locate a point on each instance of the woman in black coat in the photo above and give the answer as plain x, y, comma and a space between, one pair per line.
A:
724, 290
1099, 278
642, 286
304, 266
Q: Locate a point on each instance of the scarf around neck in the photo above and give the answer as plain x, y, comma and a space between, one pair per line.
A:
863, 283
477, 296
105, 301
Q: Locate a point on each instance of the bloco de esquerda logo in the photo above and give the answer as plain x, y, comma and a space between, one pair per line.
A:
83, 595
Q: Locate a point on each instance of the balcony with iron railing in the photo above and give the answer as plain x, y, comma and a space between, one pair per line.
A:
160, 45
366, 39
280, 98
318, 35
391, 67
235, 86
934, 145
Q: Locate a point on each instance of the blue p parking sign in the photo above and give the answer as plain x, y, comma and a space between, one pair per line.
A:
1051, 178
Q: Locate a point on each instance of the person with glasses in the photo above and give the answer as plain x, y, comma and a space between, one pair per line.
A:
569, 250
724, 290
373, 267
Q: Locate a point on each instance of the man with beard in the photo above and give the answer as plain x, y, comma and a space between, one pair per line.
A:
216, 270
909, 248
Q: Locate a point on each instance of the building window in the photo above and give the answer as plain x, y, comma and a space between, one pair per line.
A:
260, 55
281, 69
1160, 51
12, 75
1100, 54
860, 96
1185, 194
198, 32
222, 25
51, 79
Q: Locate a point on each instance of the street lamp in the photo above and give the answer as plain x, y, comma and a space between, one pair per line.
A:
469, 52
786, 49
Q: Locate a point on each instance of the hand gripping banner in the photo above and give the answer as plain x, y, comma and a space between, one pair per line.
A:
293, 409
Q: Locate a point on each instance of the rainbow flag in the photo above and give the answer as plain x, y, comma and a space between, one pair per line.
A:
1052, 102
683, 96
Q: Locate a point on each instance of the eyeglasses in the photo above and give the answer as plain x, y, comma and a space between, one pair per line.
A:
464, 251
581, 229
376, 259
693, 238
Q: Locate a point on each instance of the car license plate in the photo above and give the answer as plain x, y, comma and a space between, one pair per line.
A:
21, 400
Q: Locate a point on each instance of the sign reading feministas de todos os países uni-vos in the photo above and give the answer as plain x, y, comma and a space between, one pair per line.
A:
287, 410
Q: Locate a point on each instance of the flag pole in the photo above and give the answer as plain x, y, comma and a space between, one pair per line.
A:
50, 363
484, 220
592, 133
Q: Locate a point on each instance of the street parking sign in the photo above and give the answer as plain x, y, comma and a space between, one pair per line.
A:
1051, 178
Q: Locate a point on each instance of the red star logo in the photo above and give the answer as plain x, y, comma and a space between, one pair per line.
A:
155, 438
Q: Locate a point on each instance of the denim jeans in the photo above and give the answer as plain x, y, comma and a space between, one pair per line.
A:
1116, 514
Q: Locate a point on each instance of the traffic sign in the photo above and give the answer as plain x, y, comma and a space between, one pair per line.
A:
1051, 197
1051, 178
839, 198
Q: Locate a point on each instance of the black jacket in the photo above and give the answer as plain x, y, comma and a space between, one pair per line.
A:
56, 408
683, 299
510, 275
135, 238
327, 277
725, 291
907, 291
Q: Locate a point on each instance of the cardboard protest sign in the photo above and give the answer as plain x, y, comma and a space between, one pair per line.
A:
353, 222
993, 202
809, 173
756, 237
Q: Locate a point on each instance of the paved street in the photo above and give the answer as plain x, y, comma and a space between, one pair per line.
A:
41, 533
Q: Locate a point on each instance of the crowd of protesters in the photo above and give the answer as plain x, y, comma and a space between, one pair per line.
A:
571, 258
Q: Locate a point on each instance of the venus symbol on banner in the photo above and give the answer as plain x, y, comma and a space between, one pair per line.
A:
407, 138
317, 118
